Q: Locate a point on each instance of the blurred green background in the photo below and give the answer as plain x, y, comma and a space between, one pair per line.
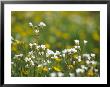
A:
63, 27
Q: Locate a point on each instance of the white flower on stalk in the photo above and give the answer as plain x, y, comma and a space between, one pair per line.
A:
74, 62
30, 24
49, 52
37, 47
64, 51
94, 62
40, 65
60, 74
73, 50
79, 58
27, 59
96, 70
71, 74
84, 67
63, 55
30, 44
76, 42
43, 47
57, 53
78, 70
31, 53
32, 63
20, 55
77, 47
87, 62
85, 42
53, 74
87, 56
42, 24
36, 31
92, 55
34, 44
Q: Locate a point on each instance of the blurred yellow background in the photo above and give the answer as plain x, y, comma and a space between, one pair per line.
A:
63, 27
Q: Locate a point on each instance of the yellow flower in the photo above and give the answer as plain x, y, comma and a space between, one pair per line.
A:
58, 59
90, 72
56, 68
70, 66
45, 69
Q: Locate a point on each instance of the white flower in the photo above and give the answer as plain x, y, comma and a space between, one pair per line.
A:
85, 42
40, 65
27, 59
43, 47
49, 52
31, 53
60, 74
78, 70
42, 24
93, 62
87, 62
92, 55
30, 44
84, 67
32, 63
77, 47
87, 56
63, 55
37, 47
76, 42
57, 53
96, 70
30, 24
53, 74
36, 31
34, 44
74, 62
73, 50
64, 51
20, 55
71, 74
79, 58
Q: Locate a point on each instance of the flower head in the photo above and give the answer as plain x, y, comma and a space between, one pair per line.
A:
42, 24
30, 24
85, 42
76, 42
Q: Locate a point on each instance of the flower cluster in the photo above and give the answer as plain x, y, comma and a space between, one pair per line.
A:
40, 61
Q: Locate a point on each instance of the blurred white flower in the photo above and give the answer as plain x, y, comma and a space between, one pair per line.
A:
77, 47
87, 62
34, 44
30, 44
49, 52
20, 55
71, 74
60, 74
63, 55
36, 31
96, 70
79, 58
92, 55
57, 53
30, 24
31, 53
42, 24
43, 47
86, 56
53, 74
32, 63
64, 51
76, 42
85, 42
40, 65
93, 62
